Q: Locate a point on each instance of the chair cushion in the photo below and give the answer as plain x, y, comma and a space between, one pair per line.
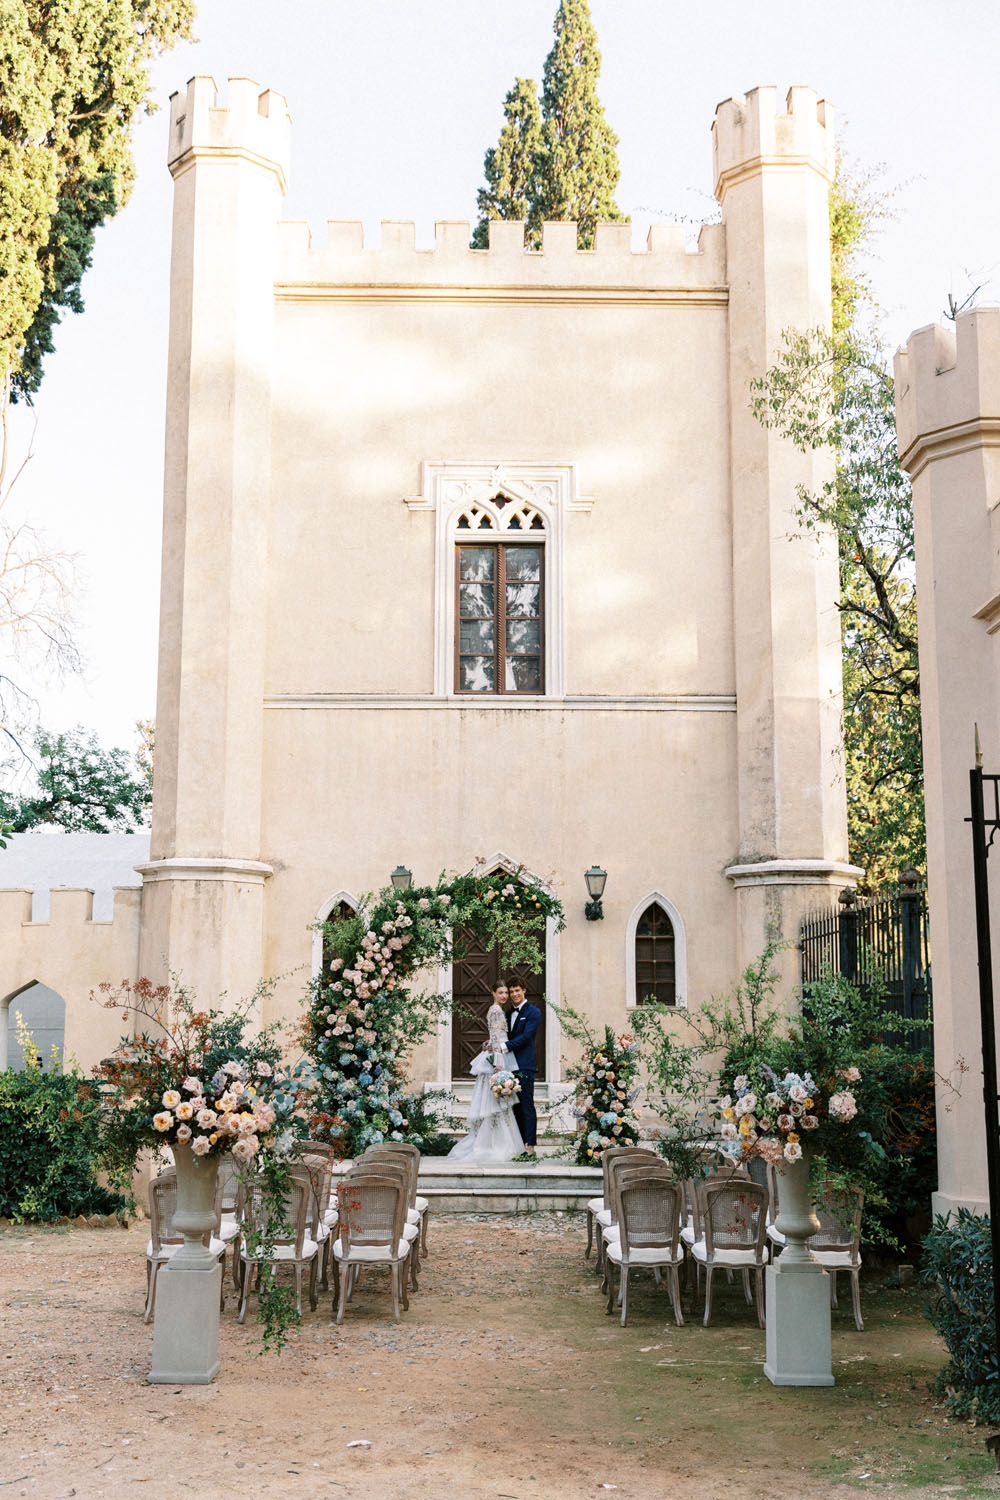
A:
603, 1216
410, 1232
217, 1247
737, 1258
595, 1205
412, 1216
839, 1260
689, 1234
421, 1204
642, 1257
372, 1252
775, 1235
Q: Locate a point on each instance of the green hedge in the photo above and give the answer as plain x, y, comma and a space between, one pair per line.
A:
48, 1145
958, 1267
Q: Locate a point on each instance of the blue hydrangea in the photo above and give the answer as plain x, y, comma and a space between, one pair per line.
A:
395, 1117
345, 1058
364, 1079
610, 1118
377, 1136
594, 1138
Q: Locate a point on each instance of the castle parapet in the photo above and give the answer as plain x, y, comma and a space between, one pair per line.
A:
612, 265
947, 383
748, 134
254, 123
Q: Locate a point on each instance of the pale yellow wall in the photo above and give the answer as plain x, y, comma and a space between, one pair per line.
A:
636, 396
72, 955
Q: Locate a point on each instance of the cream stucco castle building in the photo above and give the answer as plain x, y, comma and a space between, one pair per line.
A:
479, 555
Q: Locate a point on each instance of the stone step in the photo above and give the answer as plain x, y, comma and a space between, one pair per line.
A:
513, 1188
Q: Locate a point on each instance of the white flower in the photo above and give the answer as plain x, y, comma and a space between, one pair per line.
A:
201, 1145
746, 1105
843, 1106
163, 1121
191, 1086
728, 1132
785, 1122
336, 963
772, 1100
171, 1099
770, 1150
424, 904
726, 1103
809, 1122
207, 1119
793, 1151
245, 1148
852, 1075
797, 1093
445, 900
184, 1132
264, 1070
741, 1082
234, 1069
184, 1111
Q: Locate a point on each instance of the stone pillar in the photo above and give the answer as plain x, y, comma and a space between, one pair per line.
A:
772, 174
948, 427
203, 889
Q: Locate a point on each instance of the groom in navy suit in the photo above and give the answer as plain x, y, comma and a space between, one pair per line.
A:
524, 1023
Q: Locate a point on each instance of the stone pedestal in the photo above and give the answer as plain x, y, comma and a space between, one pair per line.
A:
797, 1291
188, 1289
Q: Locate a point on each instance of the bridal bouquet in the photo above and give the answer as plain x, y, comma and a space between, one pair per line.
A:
505, 1085
768, 1116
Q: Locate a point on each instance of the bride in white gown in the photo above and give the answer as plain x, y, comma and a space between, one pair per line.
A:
493, 1134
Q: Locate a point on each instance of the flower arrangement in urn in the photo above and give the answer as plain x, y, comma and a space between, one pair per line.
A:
606, 1091
774, 1117
190, 1077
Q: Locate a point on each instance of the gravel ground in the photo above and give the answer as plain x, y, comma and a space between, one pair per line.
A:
505, 1379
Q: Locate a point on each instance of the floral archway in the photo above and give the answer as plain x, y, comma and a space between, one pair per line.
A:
363, 1019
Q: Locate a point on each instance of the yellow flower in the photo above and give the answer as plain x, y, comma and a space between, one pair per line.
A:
729, 1114
807, 1103
792, 1137
214, 1137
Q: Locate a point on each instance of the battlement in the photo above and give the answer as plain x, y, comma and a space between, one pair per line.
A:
749, 135
254, 123
948, 385
63, 907
612, 265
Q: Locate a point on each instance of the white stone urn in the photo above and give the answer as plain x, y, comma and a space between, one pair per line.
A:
796, 1219
194, 1214
798, 1339
188, 1292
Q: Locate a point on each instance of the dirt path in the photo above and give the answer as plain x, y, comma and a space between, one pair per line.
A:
505, 1379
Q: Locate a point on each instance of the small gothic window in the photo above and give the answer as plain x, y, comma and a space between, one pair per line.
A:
337, 913
655, 973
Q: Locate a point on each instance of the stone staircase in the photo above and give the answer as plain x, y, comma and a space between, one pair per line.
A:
514, 1188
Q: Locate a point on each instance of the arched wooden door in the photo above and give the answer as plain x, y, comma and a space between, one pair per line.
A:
473, 976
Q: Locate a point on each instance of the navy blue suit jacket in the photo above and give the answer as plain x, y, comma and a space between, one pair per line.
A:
521, 1038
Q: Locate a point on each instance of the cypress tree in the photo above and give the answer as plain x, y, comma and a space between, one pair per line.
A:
512, 187
559, 162
579, 168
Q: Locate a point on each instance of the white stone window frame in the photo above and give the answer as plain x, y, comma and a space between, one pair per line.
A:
321, 916
680, 949
450, 489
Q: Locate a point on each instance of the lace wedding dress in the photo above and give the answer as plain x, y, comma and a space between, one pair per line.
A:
493, 1134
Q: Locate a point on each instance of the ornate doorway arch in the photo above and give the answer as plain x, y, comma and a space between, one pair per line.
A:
446, 1047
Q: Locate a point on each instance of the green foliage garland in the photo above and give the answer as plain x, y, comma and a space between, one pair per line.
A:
363, 1021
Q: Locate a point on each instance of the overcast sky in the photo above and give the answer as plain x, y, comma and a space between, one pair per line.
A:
393, 103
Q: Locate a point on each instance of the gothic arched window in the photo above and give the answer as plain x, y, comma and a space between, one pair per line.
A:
655, 957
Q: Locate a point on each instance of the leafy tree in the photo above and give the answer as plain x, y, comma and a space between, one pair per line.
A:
560, 162
79, 787
75, 74
512, 168
580, 170
834, 390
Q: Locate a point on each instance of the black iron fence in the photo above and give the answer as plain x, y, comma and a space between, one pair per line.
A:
887, 934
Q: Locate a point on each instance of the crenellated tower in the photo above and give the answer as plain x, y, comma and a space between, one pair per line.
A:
947, 383
772, 177
203, 886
